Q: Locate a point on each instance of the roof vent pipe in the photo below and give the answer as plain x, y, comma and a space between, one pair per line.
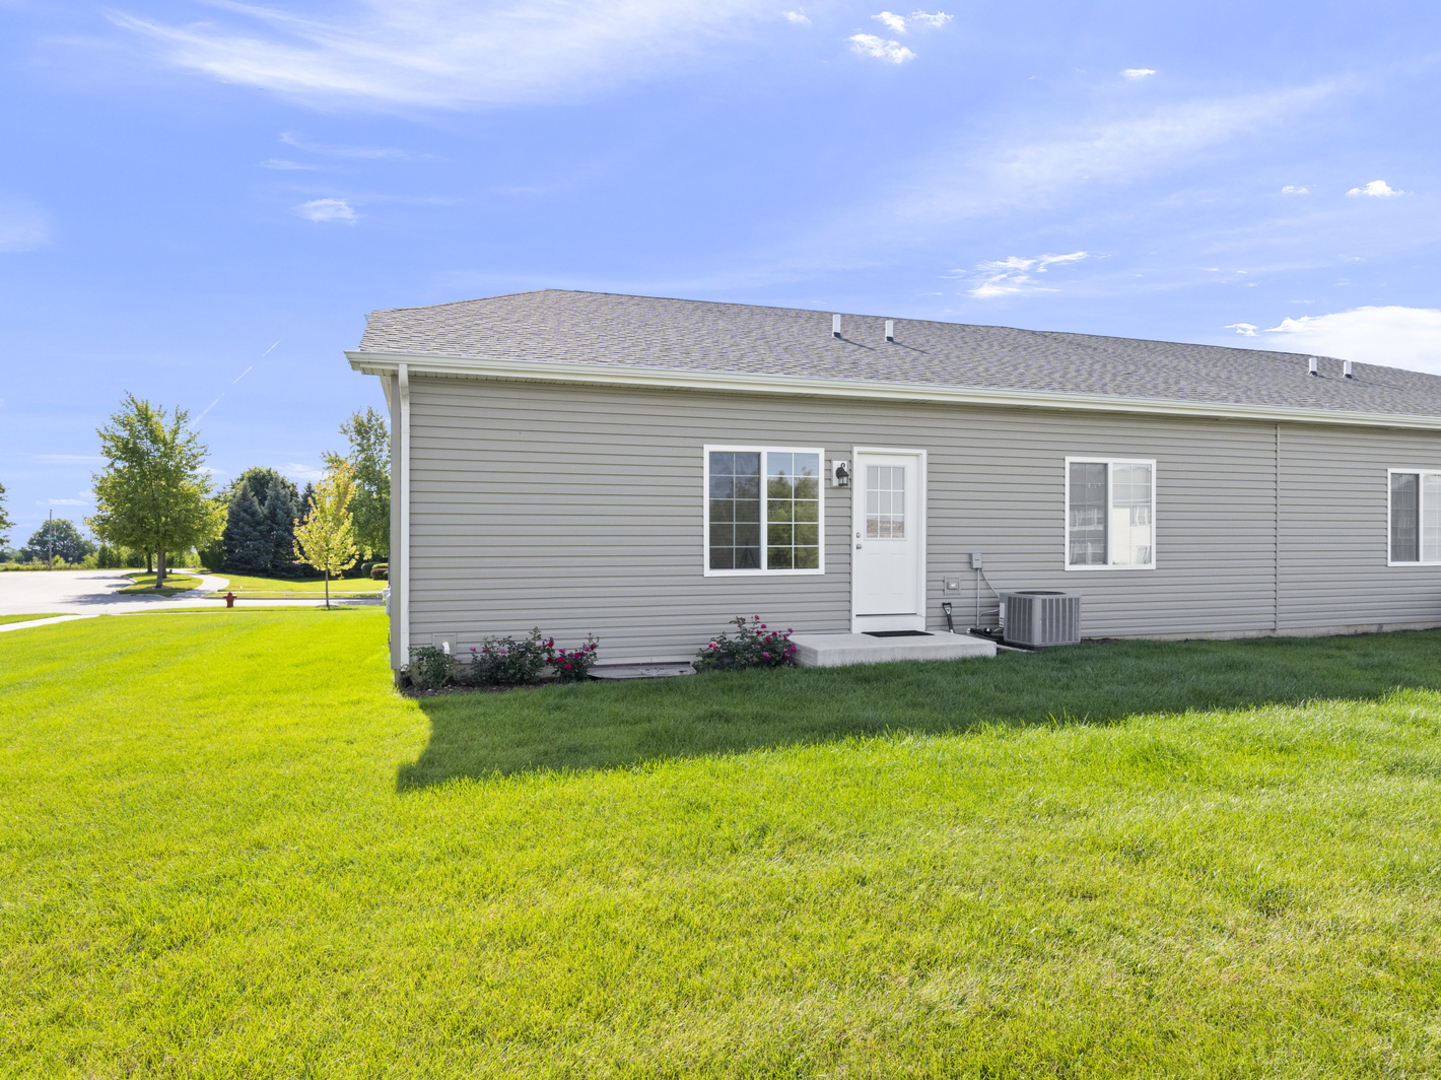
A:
1313, 366
835, 326
890, 329
1346, 370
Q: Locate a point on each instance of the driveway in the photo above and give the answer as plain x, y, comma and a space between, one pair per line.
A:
95, 592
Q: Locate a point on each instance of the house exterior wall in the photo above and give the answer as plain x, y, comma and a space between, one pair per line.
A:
579, 509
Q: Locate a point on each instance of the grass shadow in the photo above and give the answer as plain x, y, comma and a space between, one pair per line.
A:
609, 725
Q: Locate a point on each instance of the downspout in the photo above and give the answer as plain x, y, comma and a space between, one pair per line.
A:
404, 606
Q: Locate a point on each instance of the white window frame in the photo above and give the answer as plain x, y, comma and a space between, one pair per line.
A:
1110, 462
763, 450
1420, 515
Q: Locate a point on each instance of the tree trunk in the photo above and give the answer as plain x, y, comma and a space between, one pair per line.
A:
149, 564
327, 589
159, 569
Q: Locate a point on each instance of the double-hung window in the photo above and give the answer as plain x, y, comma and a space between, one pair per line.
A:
1110, 514
1415, 516
763, 510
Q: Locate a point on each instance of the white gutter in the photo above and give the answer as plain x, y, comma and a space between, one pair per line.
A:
403, 371
663, 378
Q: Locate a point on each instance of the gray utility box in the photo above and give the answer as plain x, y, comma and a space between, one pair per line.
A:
1036, 618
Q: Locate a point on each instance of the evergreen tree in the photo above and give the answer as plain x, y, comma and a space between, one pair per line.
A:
280, 515
247, 537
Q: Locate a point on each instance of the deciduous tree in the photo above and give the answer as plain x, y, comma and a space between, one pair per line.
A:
153, 494
326, 539
5, 523
370, 458
57, 537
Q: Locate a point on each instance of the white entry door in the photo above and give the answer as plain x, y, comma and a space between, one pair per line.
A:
889, 527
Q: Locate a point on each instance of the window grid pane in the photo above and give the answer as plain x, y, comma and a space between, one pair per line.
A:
886, 502
1087, 513
735, 511
1130, 515
1405, 517
793, 492
1431, 517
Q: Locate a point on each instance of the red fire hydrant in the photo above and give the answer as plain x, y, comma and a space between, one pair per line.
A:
230, 599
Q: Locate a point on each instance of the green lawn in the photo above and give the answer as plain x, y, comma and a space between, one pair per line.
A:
26, 618
174, 583
228, 849
249, 587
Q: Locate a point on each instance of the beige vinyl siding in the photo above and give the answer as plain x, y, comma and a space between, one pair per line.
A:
579, 509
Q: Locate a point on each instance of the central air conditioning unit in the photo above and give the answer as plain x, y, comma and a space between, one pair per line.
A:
1036, 618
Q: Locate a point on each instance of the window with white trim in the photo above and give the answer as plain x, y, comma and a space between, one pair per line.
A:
1110, 514
1414, 501
763, 510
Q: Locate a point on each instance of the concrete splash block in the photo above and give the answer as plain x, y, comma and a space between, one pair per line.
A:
837, 650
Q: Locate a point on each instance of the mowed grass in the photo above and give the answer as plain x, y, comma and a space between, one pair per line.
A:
227, 849
243, 585
174, 583
27, 618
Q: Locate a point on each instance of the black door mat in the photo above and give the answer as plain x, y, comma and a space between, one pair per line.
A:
898, 633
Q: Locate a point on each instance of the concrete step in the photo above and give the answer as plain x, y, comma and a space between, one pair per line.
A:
836, 650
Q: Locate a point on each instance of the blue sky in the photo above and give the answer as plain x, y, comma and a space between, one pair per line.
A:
193, 193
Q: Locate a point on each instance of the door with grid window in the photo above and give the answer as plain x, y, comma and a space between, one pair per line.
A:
889, 547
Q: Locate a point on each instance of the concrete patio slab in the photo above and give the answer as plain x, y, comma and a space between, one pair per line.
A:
836, 650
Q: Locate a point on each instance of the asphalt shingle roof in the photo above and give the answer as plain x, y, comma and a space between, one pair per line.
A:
553, 325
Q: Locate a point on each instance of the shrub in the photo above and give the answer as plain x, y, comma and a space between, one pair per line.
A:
430, 668
380, 572
572, 666
752, 646
506, 661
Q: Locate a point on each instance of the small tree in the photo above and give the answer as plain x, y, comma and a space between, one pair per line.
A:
326, 539
370, 458
57, 538
5, 523
153, 494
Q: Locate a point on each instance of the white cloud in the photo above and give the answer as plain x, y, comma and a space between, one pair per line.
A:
449, 53
870, 45
297, 471
279, 163
67, 459
1244, 328
1395, 336
340, 150
935, 21
1007, 277
65, 502
1292, 190
1379, 188
327, 210
1136, 74
23, 225
798, 18
896, 23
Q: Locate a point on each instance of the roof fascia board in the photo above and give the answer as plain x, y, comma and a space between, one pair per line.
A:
492, 368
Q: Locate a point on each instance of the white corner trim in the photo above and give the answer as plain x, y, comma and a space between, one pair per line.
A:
375, 363
403, 373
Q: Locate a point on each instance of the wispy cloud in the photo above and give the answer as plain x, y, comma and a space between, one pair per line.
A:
67, 459
1008, 277
1395, 336
896, 23
299, 471
64, 502
797, 17
449, 53
1376, 188
340, 150
24, 226
1291, 189
936, 21
327, 210
1137, 74
279, 163
890, 51
1244, 328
